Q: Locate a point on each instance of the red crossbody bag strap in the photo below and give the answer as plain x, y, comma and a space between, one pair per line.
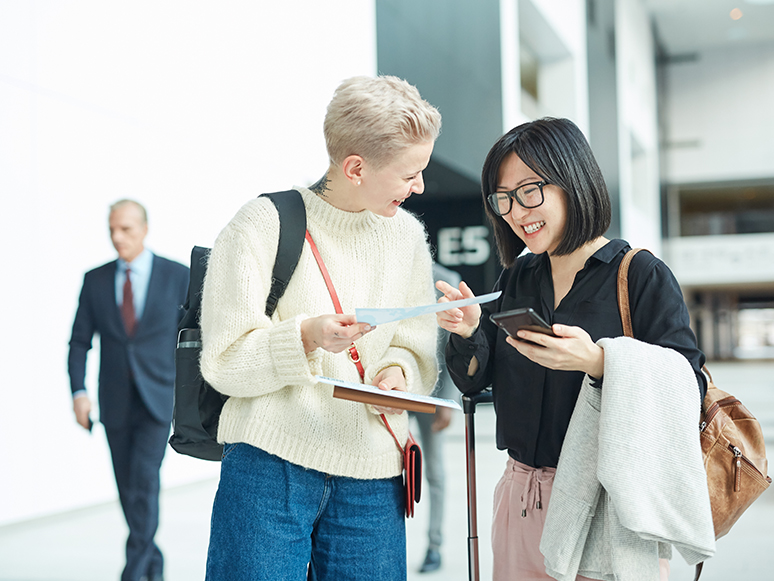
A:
354, 356
389, 429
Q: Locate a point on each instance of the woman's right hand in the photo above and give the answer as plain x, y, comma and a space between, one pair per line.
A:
462, 321
333, 333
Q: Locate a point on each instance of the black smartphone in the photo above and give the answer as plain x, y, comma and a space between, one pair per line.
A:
518, 319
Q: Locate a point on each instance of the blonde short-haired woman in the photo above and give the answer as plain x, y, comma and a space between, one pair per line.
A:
311, 485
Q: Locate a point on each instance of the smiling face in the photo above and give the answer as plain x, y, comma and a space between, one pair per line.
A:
540, 228
383, 190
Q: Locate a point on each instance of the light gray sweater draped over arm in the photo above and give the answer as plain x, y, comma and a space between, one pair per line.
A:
630, 480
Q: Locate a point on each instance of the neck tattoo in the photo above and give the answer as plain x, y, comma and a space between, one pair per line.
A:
321, 186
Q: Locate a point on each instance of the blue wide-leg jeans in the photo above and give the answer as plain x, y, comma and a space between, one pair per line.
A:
273, 520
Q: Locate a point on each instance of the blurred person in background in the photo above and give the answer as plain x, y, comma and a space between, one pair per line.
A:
432, 438
134, 305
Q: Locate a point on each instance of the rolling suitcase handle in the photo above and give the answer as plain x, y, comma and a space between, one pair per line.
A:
469, 403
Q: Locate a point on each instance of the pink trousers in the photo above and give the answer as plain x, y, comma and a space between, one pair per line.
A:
520, 502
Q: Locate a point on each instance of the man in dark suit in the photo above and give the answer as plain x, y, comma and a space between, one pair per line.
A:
134, 304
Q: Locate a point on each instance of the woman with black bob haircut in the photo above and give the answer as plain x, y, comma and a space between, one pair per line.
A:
557, 151
544, 192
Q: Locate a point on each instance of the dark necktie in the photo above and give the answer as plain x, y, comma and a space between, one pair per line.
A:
127, 307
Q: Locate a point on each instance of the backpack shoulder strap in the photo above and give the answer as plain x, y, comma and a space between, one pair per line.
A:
623, 291
199, 256
292, 216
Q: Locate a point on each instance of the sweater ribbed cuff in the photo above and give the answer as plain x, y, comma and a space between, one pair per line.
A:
396, 356
291, 364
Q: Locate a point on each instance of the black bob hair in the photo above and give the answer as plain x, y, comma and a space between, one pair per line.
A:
559, 153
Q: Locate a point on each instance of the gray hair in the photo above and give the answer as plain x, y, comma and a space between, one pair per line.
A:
125, 202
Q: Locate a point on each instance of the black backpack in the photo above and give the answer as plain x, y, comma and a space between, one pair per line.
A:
198, 405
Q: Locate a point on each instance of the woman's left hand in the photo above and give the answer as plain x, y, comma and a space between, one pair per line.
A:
571, 350
387, 379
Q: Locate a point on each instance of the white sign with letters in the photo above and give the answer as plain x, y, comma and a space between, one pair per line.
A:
721, 260
468, 246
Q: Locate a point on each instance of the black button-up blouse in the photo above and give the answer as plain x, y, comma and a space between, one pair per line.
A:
534, 404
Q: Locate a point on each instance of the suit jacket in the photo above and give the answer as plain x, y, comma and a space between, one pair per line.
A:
148, 357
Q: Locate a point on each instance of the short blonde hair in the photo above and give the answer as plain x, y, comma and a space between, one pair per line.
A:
376, 118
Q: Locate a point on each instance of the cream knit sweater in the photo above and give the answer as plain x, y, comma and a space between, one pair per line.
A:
275, 403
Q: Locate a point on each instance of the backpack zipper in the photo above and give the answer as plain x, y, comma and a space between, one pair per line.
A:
737, 468
715, 408
738, 456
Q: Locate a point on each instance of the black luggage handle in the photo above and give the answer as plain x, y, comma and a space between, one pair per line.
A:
469, 403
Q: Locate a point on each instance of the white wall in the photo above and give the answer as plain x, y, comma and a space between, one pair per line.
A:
720, 116
556, 32
190, 107
568, 19
637, 127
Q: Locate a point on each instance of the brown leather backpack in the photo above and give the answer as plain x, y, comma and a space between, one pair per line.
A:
731, 439
734, 456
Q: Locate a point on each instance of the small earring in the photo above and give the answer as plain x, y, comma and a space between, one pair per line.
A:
359, 182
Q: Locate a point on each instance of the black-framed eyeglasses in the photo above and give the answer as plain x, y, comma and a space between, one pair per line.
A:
528, 196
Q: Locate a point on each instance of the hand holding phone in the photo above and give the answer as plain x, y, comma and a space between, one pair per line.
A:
521, 319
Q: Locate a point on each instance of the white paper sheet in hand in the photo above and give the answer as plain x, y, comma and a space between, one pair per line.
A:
376, 317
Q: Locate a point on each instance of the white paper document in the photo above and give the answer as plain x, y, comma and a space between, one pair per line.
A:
437, 401
375, 317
